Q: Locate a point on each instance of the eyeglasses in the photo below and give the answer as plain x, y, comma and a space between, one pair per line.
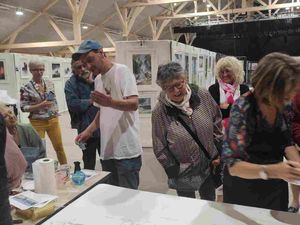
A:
177, 85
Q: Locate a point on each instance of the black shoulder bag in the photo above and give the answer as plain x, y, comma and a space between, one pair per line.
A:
215, 170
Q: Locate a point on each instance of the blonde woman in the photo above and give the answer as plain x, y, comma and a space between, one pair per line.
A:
38, 98
259, 135
230, 76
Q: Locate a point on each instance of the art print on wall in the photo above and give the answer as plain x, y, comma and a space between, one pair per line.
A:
145, 105
201, 62
24, 68
187, 65
2, 70
194, 70
55, 70
206, 67
209, 63
142, 68
67, 69
178, 58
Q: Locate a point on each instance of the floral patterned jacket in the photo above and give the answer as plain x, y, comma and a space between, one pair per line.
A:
245, 119
33, 93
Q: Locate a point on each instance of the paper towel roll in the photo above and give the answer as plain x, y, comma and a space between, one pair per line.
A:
44, 176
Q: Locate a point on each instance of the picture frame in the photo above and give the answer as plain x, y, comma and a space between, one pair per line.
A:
67, 69
142, 68
3, 71
187, 64
56, 70
146, 104
201, 62
178, 57
24, 68
143, 64
194, 74
209, 63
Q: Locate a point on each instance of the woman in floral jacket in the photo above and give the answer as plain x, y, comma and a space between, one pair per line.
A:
185, 164
259, 136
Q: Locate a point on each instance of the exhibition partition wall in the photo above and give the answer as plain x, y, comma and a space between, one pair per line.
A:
144, 57
14, 72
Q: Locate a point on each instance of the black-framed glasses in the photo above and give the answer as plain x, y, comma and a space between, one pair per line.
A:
178, 85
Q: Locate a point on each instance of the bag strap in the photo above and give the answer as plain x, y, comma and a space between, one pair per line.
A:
194, 136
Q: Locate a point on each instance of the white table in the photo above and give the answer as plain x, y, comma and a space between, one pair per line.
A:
111, 205
70, 192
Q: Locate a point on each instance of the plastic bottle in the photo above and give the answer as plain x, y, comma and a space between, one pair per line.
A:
78, 177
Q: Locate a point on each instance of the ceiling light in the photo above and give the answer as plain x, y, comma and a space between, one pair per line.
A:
175, 4
85, 27
287, 8
208, 5
19, 12
298, 7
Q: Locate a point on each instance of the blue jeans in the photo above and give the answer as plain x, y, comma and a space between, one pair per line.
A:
124, 172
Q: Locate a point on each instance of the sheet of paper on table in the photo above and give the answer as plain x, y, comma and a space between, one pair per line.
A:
29, 199
89, 173
111, 205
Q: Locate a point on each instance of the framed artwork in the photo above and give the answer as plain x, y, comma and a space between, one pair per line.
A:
67, 69
24, 68
55, 70
206, 67
178, 58
201, 62
187, 65
194, 79
146, 104
209, 63
2, 70
142, 68
143, 64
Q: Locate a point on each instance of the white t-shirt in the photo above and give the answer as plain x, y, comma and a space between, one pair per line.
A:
119, 129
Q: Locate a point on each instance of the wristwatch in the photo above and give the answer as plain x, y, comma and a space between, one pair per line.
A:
263, 172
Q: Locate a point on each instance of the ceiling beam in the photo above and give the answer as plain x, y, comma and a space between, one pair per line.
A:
229, 11
31, 20
157, 31
153, 2
46, 44
58, 31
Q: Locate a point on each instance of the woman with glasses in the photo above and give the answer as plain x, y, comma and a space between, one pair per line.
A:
38, 98
186, 166
229, 87
259, 136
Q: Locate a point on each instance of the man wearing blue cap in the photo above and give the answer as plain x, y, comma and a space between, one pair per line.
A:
117, 97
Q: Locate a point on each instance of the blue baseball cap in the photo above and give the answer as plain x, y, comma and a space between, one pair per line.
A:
87, 46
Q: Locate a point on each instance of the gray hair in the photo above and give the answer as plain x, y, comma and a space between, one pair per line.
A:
168, 72
33, 63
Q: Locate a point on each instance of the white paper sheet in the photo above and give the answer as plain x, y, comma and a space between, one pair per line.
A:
29, 199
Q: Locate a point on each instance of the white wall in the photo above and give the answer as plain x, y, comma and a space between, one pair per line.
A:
18, 74
162, 52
